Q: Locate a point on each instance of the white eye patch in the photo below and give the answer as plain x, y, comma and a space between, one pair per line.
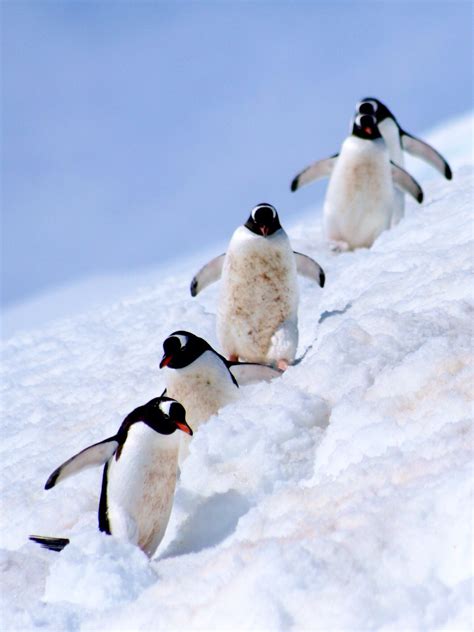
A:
261, 206
182, 339
165, 407
367, 107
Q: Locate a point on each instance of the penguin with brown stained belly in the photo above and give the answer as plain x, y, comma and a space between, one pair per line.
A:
257, 317
139, 476
202, 379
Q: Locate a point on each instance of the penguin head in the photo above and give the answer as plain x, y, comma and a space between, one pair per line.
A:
376, 108
165, 415
263, 220
365, 126
181, 349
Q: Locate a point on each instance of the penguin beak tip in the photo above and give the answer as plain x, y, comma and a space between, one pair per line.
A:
184, 428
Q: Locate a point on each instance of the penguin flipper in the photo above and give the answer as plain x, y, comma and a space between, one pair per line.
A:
210, 273
309, 268
52, 544
404, 181
420, 149
96, 454
251, 372
317, 171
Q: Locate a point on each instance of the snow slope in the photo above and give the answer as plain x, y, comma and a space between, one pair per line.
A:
337, 497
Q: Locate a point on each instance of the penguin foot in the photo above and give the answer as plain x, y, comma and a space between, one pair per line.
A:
282, 365
338, 246
233, 358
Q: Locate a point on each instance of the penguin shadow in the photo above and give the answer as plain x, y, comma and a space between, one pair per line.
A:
208, 524
324, 316
335, 312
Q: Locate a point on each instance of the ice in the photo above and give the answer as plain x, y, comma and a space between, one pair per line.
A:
336, 497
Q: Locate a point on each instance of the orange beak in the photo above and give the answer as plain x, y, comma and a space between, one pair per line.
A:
264, 230
165, 360
367, 130
184, 427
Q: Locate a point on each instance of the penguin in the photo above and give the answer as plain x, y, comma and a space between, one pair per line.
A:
257, 317
359, 201
398, 141
139, 476
202, 379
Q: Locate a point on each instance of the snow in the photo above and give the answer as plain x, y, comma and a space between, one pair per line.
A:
336, 497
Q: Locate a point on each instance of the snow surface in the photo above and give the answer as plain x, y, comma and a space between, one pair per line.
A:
336, 497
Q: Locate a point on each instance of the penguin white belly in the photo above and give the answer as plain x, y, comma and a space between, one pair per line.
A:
360, 195
141, 485
391, 135
258, 305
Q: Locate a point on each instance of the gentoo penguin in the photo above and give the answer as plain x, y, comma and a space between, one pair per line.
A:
398, 141
360, 197
202, 379
139, 476
257, 317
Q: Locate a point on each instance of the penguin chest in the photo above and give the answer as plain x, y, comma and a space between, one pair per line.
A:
259, 292
359, 200
140, 486
202, 388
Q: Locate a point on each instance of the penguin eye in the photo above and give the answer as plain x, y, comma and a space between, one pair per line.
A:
365, 120
177, 411
371, 106
182, 340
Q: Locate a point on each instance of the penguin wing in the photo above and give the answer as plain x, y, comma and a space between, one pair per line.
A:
251, 372
420, 149
404, 181
316, 171
308, 268
52, 544
210, 273
96, 454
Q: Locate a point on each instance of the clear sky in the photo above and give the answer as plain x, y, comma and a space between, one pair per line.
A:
135, 132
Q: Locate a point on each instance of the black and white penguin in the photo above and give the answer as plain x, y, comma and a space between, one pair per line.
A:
257, 317
139, 477
202, 379
398, 141
360, 198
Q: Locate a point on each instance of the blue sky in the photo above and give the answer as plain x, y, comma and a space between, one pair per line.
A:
138, 132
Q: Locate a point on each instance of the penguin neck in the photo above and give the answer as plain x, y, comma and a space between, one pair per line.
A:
245, 238
142, 431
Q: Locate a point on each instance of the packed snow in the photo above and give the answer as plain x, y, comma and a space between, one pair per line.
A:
335, 497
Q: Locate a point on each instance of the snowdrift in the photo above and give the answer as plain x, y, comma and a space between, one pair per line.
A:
336, 497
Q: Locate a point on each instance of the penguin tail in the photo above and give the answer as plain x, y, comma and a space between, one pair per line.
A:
52, 544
